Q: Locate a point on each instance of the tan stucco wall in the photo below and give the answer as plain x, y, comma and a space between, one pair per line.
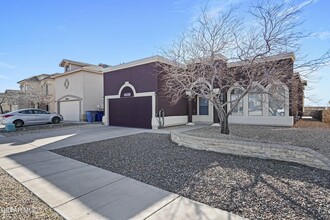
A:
88, 86
93, 91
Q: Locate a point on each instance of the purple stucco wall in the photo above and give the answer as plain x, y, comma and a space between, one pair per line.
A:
143, 78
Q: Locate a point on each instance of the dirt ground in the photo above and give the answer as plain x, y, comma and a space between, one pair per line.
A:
311, 123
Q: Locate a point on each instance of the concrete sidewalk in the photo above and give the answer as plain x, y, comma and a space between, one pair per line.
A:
80, 191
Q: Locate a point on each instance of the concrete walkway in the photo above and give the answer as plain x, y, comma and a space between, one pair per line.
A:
77, 190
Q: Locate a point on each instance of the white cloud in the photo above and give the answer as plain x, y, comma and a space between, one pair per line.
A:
297, 7
322, 35
305, 3
7, 66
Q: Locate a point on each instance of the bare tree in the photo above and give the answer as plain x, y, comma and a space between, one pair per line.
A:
221, 52
8, 98
2, 101
38, 95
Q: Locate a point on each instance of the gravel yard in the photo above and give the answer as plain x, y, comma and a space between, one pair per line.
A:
16, 202
40, 128
317, 139
250, 187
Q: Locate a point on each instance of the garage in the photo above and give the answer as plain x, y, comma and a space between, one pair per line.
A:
133, 112
70, 110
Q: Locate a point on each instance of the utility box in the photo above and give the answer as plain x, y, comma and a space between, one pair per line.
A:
10, 127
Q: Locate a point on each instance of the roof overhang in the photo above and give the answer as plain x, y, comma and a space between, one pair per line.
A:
76, 71
65, 62
139, 62
282, 56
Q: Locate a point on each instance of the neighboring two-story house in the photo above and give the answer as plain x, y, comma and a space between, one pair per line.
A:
78, 89
38, 92
10, 100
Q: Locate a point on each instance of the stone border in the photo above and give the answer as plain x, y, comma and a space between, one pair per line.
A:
288, 153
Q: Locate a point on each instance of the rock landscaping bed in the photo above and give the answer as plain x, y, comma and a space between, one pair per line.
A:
311, 123
317, 139
250, 187
16, 202
39, 128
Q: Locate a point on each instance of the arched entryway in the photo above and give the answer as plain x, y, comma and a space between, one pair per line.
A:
130, 109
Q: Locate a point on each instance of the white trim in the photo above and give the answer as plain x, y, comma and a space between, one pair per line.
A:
77, 71
136, 94
256, 86
171, 121
265, 59
286, 97
229, 98
127, 84
203, 118
262, 120
139, 62
70, 100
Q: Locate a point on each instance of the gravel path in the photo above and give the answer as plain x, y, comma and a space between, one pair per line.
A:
250, 187
317, 139
16, 202
41, 128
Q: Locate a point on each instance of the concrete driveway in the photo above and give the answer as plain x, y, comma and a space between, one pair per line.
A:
80, 191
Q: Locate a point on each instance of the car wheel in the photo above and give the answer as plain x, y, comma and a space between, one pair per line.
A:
18, 123
56, 120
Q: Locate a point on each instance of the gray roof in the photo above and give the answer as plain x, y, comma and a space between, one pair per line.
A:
64, 61
35, 78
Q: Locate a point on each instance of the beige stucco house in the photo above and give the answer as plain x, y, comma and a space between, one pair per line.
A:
78, 89
38, 92
9, 100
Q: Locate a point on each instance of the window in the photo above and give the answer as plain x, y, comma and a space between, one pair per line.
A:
276, 101
46, 89
27, 112
66, 68
255, 102
203, 106
39, 112
235, 93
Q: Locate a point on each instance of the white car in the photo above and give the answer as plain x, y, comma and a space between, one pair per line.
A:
30, 116
280, 112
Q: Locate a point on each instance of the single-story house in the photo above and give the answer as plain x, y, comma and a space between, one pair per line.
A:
131, 93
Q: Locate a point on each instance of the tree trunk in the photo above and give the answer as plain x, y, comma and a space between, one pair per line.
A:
224, 125
223, 120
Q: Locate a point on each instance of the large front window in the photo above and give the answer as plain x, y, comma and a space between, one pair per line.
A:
276, 101
234, 95
255, 102
203, 106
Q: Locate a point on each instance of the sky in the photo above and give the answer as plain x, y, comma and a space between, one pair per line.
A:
35, 35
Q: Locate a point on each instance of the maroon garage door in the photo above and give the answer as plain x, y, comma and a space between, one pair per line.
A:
131, 112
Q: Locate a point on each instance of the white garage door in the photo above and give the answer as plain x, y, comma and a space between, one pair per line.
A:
70, 110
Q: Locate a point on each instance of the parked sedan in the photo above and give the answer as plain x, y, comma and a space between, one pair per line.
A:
30, 116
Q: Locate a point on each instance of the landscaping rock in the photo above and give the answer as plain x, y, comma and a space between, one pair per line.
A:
250, 187
17, 202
